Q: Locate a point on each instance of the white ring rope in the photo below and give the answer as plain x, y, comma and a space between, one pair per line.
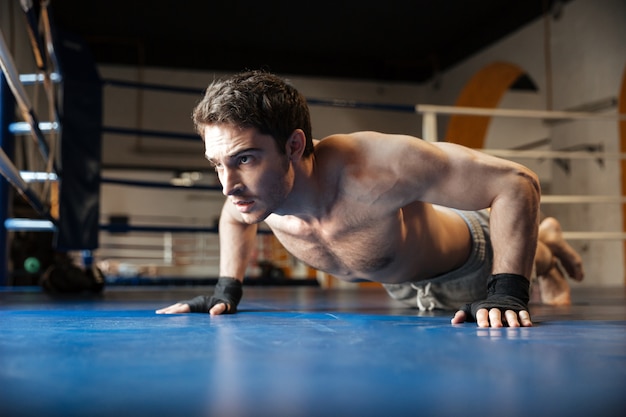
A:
530, 114
24, 104
594, 236
538, 154
589, 199
46, 61
430, 112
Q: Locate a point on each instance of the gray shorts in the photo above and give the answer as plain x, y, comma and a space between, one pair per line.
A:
461, 286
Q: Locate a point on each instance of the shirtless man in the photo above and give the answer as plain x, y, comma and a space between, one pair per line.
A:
387, 208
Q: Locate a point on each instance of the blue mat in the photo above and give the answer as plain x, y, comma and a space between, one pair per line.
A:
115, 357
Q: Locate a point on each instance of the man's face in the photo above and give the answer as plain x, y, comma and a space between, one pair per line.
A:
255, 177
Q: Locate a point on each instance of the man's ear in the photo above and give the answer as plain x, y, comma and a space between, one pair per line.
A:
296, 144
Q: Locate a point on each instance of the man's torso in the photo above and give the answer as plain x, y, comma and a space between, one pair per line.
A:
363, 226
417, 242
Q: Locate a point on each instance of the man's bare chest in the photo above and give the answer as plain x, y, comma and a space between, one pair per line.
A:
340, 248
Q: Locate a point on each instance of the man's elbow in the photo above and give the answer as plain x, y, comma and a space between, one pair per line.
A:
529, 184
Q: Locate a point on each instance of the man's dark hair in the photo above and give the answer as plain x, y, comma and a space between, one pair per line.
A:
256, 99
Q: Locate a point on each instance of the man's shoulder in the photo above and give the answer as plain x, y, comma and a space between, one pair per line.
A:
352, 137
367, 147
347, 144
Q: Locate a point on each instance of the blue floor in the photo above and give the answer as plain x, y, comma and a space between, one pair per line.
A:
304, 352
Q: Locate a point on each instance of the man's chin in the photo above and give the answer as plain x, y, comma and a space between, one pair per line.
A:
253, 218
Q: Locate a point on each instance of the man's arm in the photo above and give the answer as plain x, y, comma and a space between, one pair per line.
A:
237, 241
512, 192
473, 180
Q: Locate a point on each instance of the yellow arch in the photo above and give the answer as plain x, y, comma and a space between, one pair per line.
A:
622, 139
484, 89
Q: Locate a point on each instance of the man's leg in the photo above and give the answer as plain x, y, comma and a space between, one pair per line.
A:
553, 252
554, 288
551, 235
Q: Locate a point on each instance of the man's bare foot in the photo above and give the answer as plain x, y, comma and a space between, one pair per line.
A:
554, 288
551, 235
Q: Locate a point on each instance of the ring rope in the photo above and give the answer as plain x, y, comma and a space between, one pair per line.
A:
31, 176
538, 154
594, 236
12, 175
522, 113
38, 225
12, 78
568, 199
45, 225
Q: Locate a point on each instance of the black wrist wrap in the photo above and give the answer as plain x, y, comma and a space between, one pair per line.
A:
504, 292
228, 290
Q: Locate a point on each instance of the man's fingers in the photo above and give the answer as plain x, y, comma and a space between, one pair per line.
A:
482, 318
495, 317
525, 320
514, 319
218, 309
459, 317
175, 309
166, 310
511, 318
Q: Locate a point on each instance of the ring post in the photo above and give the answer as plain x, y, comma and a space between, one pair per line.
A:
7, 109
429, 127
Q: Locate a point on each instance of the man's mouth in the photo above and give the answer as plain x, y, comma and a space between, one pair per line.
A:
243, 205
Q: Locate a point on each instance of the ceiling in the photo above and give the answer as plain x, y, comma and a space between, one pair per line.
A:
392, 40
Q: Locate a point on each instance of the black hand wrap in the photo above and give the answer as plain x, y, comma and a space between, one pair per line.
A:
228, 290
504, 292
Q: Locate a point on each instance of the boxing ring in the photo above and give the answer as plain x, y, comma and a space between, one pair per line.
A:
178, 249
292, 350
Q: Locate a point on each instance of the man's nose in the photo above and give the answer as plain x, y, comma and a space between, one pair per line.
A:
231, 182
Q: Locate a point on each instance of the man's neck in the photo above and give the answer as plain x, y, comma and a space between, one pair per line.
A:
306, 199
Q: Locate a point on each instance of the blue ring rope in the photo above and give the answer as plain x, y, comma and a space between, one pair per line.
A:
154, 184
404, 108
154, 133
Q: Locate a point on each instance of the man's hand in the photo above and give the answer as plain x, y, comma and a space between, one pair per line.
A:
184, 308
224, 300
508, 293
175, 309
493, 318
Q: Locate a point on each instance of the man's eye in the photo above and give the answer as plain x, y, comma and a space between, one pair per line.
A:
243, 160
